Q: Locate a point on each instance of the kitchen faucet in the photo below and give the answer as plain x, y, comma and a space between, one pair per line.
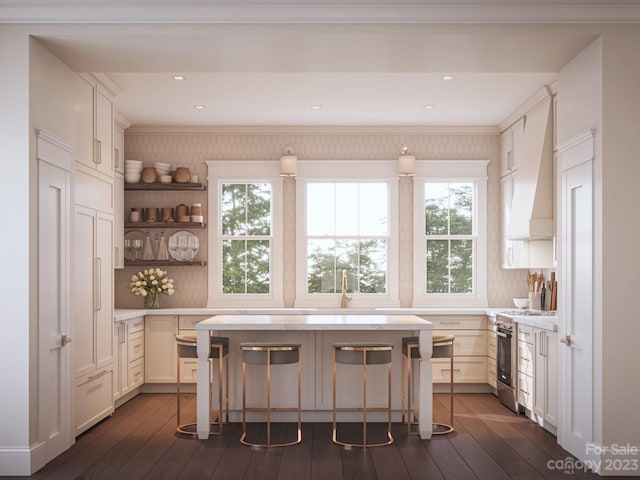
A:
345, 299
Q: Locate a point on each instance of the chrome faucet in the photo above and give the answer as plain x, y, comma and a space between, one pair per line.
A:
345, 298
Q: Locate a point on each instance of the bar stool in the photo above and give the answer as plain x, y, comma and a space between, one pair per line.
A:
219, 348
442, 348
372, 353
259, 353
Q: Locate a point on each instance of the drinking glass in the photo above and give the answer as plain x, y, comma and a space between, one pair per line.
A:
127, 249
183, 246
136, 245
194, 245
173, 244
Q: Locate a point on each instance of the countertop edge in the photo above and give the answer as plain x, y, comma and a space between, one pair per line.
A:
532, 321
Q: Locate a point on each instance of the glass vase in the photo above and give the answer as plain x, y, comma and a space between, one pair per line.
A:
152, 300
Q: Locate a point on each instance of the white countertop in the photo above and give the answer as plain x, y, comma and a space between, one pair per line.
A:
315, 322
121, 314
545, 322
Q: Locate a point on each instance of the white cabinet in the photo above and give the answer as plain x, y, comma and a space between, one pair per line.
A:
118, 147
470, 348
492, 354
93, 314
511, 148
545, 393
512, 250
129, 337
160, 347
526, 354
94, 125
118, 227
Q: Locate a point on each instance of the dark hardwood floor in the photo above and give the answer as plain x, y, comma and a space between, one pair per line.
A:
139, 441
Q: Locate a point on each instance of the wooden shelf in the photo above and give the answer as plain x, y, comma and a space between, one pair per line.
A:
165, 186
164, 263
143, 225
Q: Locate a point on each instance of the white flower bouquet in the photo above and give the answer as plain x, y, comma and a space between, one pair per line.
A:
150, 284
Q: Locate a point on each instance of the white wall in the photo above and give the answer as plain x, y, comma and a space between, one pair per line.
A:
14, 281
621, 236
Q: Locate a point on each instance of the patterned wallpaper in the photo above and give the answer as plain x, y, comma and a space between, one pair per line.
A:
193, 148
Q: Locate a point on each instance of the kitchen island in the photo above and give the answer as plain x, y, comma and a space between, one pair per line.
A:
316, 333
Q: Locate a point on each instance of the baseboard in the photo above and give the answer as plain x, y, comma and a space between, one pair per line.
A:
22, 461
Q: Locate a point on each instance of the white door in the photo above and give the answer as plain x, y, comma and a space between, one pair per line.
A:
54, 383
576, 310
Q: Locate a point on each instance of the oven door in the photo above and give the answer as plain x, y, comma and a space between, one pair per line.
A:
505, 375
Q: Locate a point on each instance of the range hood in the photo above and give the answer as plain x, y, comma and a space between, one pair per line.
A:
532, 204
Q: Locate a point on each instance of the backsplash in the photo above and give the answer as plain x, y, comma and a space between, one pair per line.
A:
192, 149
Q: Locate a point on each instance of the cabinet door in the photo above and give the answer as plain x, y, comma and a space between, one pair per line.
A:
103, 287
551, 351
119, 368
118, 227
84, 108
160, 348
506, 152
118, 148
84, 256
104, 132
540, 380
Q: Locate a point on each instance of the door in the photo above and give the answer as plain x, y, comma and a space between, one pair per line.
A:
54, 382
576, 309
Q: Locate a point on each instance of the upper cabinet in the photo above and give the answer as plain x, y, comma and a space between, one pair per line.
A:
511, 148
94, 125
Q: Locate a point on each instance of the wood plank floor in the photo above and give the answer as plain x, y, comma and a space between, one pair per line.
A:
139, 442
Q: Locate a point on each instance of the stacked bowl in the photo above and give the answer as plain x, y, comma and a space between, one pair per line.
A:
132, 171
164, 171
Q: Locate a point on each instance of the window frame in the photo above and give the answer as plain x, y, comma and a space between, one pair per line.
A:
244, 172
455, 171
356, 171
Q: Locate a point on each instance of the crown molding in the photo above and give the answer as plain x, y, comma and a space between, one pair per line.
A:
309, 130
464, 12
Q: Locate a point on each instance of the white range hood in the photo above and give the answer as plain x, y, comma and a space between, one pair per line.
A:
532, 208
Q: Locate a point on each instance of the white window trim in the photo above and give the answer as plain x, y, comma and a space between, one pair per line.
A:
342, 170
244, 171
455, 171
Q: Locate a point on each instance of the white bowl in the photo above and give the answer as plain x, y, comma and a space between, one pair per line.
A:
132, 169
521, 303
162, 165
165, 178
132, 177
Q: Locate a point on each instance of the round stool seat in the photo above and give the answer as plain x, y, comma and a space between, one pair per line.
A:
187, 346
258, 353
413, 343
353, 353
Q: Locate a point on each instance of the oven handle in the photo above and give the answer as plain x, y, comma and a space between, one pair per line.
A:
503, 335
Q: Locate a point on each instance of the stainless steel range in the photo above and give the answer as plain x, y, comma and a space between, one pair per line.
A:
507, 361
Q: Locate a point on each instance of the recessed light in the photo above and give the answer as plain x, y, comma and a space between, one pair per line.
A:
178, 77
447, 77
199, 107
428, 107
316, 107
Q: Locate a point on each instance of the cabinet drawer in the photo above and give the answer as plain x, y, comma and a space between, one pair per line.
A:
136, 373
467, 342
492, 349
492, 373
525, 333
188, 322
136, 345
454, 322
525, 391
465, 370
136, 325
94, 399
525, 358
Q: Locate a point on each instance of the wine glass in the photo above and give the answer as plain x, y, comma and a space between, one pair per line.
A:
173, 244
194, 245
136, 244
127, 249
183, 246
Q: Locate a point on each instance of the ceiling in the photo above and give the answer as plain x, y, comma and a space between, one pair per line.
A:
271, 72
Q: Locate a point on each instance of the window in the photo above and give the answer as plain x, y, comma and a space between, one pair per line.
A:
345, 228
450, 234
245, 245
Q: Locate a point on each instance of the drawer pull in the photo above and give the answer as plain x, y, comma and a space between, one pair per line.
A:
448, 370
98, 375
450, 322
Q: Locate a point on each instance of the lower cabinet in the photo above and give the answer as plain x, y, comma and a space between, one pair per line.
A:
94, 398
160, 345
525, 366
545, 394
129, 374
492, 355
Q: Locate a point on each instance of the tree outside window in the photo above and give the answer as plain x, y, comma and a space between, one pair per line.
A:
246, 229
449, 233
